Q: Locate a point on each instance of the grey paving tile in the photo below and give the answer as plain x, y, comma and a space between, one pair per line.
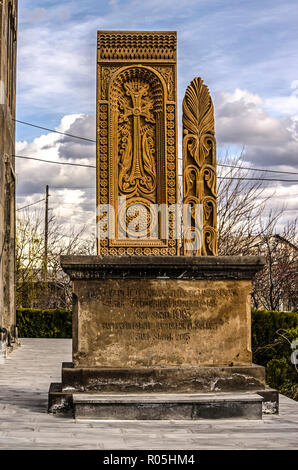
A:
24, 424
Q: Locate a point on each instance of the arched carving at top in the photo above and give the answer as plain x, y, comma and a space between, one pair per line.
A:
140, 74
136, 142
136, 100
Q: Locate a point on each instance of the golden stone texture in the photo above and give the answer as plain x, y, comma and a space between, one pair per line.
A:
136, 139
199, 167
144, 317
161, 323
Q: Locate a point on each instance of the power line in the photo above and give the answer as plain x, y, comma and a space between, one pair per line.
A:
28, 205
91, 140
252, 169
253, 179
256, 179
258, 169
93, 166
57, 163
52, 130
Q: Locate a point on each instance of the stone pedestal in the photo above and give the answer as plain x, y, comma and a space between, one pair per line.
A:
160, 325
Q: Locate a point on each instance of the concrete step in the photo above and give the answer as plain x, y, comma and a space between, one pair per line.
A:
167, 406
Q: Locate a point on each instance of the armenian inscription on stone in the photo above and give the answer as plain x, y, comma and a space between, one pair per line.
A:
146, 323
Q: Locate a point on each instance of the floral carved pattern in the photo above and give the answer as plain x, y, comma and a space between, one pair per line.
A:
136, 142
106, 74
168, 75
199, 167
137, 167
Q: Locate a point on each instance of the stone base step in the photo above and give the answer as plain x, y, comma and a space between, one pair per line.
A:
212, 379
167, 406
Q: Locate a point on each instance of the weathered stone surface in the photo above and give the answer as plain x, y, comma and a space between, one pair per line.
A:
149, 267
136, 141
166, 311
146, 379
270, 405
199, 170
59, 401
160, 323
168, 406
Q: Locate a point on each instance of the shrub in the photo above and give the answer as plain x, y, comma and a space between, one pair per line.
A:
37, 323
272, 335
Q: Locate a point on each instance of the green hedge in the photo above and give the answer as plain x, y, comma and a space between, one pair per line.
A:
37, 323
272, 335
266, 323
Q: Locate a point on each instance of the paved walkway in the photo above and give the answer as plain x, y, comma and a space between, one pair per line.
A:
24, 423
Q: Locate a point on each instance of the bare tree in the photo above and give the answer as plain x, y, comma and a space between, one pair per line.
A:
32, 289
247, 226
242, 204
276, 287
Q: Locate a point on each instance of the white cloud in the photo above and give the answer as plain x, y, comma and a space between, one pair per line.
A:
268, 141
265, 142
56, 68
224, 42
285, 105
72, 189
244, 48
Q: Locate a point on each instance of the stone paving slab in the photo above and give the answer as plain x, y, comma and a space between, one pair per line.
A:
25, 378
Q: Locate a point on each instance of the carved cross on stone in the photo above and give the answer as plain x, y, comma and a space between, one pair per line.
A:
137, 163
137, 91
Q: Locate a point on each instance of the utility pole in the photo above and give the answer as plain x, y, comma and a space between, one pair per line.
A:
46, 229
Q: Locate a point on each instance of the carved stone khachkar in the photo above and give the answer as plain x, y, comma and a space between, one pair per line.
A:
136, 142
199, 170
157, 335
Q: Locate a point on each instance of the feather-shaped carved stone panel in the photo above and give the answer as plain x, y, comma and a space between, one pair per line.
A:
199, 171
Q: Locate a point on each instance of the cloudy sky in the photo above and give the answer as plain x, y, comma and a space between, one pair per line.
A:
245, 51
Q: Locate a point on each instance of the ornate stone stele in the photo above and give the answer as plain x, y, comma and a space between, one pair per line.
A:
156, 330
136, 143
199, 170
